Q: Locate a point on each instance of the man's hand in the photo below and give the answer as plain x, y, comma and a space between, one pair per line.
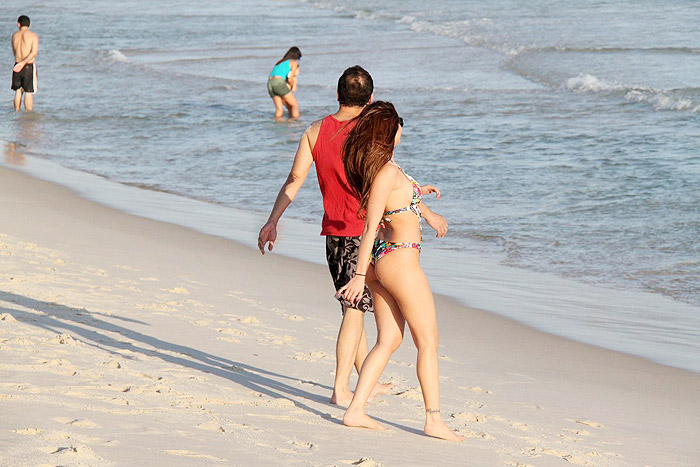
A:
437, 222
427, 189
268, 234
17, 68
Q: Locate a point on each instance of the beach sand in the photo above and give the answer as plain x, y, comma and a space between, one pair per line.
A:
125, 341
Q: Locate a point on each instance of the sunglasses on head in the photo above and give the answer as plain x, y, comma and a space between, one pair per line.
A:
400, 122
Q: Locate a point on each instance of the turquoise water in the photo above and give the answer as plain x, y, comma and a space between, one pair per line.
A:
563, 135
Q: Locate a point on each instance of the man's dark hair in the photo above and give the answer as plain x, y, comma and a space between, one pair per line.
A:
355, 87
23, 21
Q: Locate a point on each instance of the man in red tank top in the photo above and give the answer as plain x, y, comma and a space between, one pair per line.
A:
322, 143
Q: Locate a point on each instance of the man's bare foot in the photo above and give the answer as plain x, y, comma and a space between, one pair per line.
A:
341, 399
361, 420
380, 389
437, 429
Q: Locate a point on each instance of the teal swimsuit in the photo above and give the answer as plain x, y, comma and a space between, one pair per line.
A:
382, 247
277, 81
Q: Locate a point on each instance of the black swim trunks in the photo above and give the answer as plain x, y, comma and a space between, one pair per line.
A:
341, 253
25, 79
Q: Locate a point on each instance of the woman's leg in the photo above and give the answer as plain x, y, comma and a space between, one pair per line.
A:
401, 275
279, 106
292, 105
390, 327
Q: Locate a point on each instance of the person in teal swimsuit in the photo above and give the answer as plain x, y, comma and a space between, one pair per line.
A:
282, 83
388, 261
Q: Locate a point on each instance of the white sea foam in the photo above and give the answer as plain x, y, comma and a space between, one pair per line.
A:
465, 31
588, 83
659, 99
117, 56
359, 14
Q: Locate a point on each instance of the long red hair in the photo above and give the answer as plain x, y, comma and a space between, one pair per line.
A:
368, 147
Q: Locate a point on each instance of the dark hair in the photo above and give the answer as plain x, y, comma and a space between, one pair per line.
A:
292, 54
355, 87
23, 21
368, 147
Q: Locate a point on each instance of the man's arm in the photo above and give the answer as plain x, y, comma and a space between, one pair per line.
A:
300, 169
434, 220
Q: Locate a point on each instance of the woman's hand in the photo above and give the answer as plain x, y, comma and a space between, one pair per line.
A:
352, 291
427, 189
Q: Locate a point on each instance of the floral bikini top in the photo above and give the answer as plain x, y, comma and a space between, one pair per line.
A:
382, 247
415, 201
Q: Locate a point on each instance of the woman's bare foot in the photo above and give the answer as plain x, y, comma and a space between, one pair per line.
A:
380, 389
361, 420
435, 427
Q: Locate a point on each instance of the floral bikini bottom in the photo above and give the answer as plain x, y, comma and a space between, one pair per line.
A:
382, 247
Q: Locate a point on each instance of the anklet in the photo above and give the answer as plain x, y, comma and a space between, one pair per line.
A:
432, 410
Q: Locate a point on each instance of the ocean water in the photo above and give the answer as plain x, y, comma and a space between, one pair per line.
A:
564, 136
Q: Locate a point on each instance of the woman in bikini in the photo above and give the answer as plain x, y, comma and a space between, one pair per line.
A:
388, 261
282, 83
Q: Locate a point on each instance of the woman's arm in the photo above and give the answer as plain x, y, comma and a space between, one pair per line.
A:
379, 192
292, 78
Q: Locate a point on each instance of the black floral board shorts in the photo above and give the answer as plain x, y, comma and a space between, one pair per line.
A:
341, 253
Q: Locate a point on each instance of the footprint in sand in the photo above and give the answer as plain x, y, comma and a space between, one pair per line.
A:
469, 417
520, 426
191, 454
517, 464
578, 432
157, 307
231, 340
314, 356
76, 455
84, 423
28, 431
588, 423
303, 445
178, 290
211, 426
249, 320
363, 462
588, 458
64, 339
203, 322
270, 338
474, 389
412, 393
113, 364
475, 435
231, 331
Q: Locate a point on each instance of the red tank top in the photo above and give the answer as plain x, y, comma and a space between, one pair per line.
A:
339, 205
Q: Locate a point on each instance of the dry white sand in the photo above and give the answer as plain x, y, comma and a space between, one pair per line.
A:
125, 341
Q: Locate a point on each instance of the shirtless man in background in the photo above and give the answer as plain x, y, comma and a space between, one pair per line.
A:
25, 46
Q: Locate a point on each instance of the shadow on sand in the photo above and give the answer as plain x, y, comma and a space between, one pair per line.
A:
91, 329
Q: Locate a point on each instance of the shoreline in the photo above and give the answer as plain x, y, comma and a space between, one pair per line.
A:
558, 306
130, 340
